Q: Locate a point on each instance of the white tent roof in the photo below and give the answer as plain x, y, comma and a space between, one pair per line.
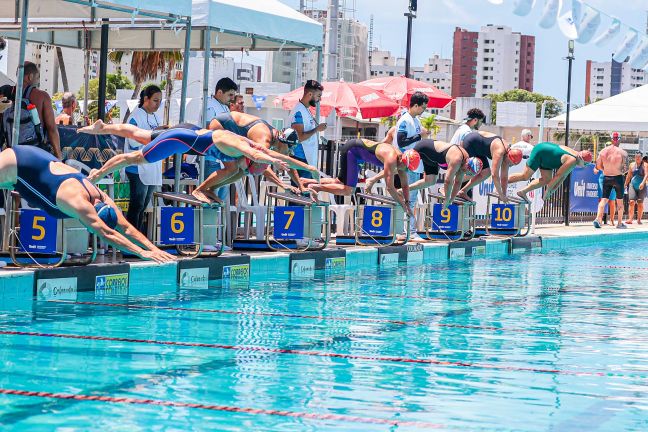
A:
625, 112
260, 25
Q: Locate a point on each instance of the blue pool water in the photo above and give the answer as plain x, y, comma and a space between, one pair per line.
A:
553, 341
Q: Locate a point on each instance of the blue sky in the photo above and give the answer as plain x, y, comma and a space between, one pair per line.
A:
437, 19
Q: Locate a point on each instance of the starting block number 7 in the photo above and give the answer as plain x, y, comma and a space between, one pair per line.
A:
289, 222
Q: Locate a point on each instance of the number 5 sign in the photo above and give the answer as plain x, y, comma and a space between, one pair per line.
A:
503, 216
37, 231
176, 225
445, 219
376, 221
289, 222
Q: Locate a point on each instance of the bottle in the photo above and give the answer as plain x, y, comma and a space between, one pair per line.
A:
34, 114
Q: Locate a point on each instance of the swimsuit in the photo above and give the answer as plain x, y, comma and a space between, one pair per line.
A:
480, 147
178, 140
431, 158
547, 156
352, 153
227, 122
36, 183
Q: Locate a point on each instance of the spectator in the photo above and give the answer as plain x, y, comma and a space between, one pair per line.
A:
611, 161
143, 179
220, 101
306, 126
238, 104
69, 115
472, 122
48, 136
636, 180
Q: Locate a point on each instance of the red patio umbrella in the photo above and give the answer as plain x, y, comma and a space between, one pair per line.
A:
347, 99
401, 89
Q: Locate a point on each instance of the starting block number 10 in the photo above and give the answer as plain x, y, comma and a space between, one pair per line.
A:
503, 216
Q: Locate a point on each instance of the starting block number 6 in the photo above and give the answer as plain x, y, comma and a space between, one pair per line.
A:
176, 225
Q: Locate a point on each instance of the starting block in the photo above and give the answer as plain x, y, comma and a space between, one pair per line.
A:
377, 224
512, 219
300, 225
187, 224
39, 240
455, 223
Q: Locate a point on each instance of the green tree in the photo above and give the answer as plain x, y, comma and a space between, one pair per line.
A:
554, 106
114, 82
429, 123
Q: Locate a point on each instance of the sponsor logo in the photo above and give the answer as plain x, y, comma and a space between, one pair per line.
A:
116, 284
338, 263
415, 257
519, 251
415, 248
536, 245
57, 289
238, 272
197, 278
389, 260
478, 250
303, 268
457, 253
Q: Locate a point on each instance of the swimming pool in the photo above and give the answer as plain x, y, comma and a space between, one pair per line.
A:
553, 341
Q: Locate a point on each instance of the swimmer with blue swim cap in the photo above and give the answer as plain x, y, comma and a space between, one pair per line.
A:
63, 192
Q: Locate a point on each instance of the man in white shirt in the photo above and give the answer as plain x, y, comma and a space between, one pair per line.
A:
472, 122
306, 126
525, 143
408, 133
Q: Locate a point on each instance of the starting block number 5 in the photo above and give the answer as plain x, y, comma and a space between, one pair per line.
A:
176, 225
289, 222
376, 220
37, 231
503, 216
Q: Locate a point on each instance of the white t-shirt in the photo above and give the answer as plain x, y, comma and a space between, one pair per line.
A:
412, 126
214, 107
460, 134
524, 146
302, 115
150, 173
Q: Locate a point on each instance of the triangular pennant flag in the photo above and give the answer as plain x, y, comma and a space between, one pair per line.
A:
59, 106
608, 34
522, 7
258, 101
623, 50
496, 2
550, 13
639, 56
589, 23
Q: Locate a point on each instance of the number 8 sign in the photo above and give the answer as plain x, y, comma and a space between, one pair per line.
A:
37, 231
445, 219
376, 221
176, 225
503, 216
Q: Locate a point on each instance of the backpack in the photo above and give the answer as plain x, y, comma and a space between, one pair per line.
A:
30, 134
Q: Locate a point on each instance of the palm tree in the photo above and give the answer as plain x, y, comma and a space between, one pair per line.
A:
61, 64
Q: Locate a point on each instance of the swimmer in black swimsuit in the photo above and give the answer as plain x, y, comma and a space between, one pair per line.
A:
62, 192
485, 146
216, 145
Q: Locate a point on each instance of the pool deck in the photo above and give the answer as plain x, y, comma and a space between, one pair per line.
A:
18, 287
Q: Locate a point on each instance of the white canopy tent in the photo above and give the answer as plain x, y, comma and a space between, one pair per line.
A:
625, 112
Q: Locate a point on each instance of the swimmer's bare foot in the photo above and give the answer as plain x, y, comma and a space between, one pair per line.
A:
206, 196
464, 196
313, 195
94, 129
523, 196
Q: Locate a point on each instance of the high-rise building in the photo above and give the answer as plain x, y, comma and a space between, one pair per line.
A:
605, 79
493, 60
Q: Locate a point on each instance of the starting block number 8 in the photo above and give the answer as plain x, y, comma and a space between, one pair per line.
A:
376, 220
37, 231
289, 222
176, 225
503, 216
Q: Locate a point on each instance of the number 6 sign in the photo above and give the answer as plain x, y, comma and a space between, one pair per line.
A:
176, 225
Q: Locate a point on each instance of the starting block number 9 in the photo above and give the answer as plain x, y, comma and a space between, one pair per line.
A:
37, 231
176, 225
376, 221
445, 219
289, 222
503, 216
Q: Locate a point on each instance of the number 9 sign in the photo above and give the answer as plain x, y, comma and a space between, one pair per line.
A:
376, 221
176, 225
445, 219
503, 216
289, 222
37, 231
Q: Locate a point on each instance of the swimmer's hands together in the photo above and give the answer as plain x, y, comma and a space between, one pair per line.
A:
159, 256
315, 173
279, 164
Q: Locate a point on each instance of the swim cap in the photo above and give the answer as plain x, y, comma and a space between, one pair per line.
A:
411, 159
586, 155
107, 214
515, 156
255, 168
473, 166
615, 136
288, 136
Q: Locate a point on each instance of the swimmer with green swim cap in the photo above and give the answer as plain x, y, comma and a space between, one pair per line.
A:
548, 157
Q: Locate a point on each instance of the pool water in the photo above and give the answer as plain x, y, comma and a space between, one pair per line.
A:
536, 342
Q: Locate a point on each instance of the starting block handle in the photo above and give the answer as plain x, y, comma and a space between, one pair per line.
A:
377, 198
291, 197
512, 199
457, 200
185, 199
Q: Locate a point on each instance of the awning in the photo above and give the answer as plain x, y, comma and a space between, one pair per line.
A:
625, 112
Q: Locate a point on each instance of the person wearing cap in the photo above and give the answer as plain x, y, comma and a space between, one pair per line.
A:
473, 121
485, 146
303, 121
549, 157
611, 161
635, 183
219, 145
63, 192
356, 151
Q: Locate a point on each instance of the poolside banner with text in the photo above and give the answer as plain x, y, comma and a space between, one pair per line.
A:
584, 190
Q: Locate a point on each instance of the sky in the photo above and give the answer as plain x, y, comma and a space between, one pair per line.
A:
437, 19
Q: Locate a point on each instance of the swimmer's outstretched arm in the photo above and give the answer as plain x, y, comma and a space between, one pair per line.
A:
123, 130
236, 146
292, 163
